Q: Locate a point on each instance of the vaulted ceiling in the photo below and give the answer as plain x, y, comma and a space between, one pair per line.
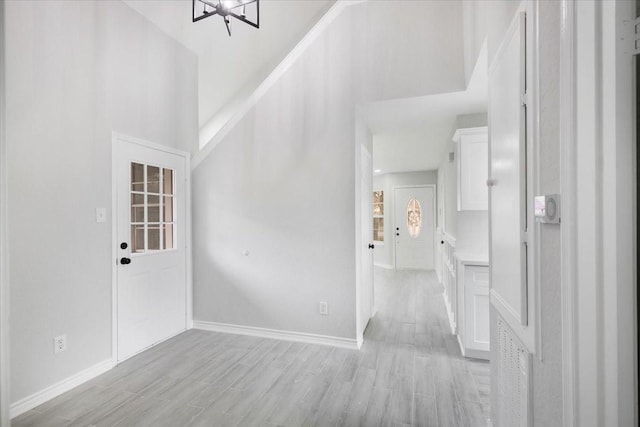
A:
229, 64
411, 52
413, 134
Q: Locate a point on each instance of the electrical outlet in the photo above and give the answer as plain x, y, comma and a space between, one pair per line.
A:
60, 344
323, 308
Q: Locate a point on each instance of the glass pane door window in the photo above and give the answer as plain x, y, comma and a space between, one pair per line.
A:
152, 208
378, 216
414, 218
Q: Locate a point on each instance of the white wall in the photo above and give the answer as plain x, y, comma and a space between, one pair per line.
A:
76, 71
408, 48
474, 33
384, 254
282, 184
546, 369
4, 277
448, 187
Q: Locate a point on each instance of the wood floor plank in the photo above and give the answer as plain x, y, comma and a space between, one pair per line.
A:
425, 413
35, 418
378, 411
402, 402
423, 377
409, 372
361, 391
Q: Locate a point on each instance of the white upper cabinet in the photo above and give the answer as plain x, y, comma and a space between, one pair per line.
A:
472, 168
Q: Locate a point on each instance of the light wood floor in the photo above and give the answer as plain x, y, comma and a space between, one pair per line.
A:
409, 372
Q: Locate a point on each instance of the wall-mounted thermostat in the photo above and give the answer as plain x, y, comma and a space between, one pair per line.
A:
547, 209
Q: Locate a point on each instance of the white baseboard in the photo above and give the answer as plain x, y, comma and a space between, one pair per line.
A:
55, 390
473, 353
452, 322
460, 344
349, 343
387, 266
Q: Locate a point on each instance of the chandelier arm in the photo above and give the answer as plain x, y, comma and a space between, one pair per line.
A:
245, 20
226, 22
208, 3
241, 4
206, 15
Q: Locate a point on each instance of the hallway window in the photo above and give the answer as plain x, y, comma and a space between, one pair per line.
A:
414, 218
378, 216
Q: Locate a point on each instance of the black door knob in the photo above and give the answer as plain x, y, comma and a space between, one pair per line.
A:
125, 260
442, 242
397, 234
371, 246
123, 245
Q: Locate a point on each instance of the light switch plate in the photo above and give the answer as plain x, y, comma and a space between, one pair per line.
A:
101, 215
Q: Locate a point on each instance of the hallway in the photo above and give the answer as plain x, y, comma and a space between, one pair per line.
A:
408, 372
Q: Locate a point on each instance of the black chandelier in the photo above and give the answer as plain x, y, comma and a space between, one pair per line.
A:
225, 8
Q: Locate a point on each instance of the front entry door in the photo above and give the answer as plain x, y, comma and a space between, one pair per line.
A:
414, 227
150, 246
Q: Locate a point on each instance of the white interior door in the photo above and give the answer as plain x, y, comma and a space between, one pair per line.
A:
366, 223
507, 168
150, 246
414, 227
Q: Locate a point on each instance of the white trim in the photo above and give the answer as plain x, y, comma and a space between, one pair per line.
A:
4, 241
349, 343
472, 353
38, 398
450, 315
599, 268
468, 131
217, 128
115, 136
148, 144
568, 229
505, 310
188, 245
381, 265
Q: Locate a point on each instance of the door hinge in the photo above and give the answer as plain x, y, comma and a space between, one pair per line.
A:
524, 238
633, 35
523, 99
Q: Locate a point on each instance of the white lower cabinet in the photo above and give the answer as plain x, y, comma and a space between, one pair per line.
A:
473, 310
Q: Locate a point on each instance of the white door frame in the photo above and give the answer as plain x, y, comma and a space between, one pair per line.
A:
433, 214
360, 327
598, 210
4, 244
114, 233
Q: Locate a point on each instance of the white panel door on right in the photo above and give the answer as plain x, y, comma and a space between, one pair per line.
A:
414, 227
507, 168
